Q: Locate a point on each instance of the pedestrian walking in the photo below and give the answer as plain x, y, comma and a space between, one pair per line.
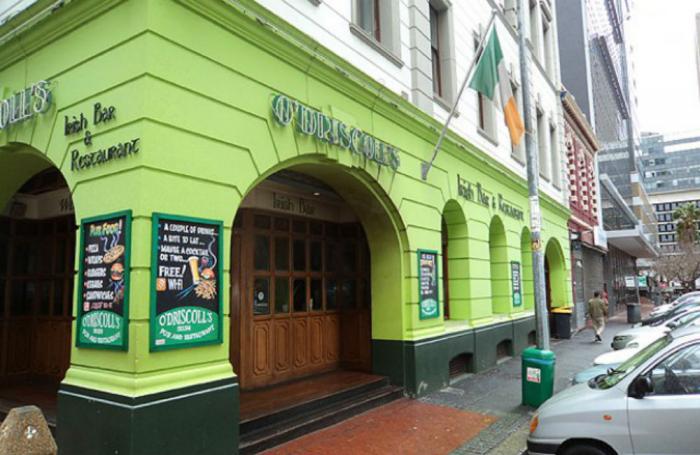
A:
597, 311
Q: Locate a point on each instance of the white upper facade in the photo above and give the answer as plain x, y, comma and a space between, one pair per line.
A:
410, 45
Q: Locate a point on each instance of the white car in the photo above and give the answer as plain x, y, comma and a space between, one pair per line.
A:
669, 306
619, 356
631, 338
648, 405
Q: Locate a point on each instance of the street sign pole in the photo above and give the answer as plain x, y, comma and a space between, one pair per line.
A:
542, 323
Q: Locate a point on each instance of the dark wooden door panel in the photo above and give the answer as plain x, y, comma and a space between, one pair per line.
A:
316, 339
300, 343
294, 333
283, 344
332, 339
261, 350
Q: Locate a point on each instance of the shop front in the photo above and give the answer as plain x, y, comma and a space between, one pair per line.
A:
241, 217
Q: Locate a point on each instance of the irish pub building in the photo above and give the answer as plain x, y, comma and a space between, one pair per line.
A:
211, 209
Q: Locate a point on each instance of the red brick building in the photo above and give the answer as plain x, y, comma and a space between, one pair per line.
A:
587, 250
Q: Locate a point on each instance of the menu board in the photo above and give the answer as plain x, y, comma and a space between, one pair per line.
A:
103, 296
516, 283
428, 301
186, 275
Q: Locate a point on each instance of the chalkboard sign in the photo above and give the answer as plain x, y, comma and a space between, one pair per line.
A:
103, 289
516, 283
186, 282
428, 301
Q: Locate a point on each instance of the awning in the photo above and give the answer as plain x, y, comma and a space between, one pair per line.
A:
632, 242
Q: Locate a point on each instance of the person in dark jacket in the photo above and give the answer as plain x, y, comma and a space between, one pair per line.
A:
597, 310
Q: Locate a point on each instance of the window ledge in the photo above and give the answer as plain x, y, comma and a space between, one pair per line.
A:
443, 103
376, 45
518, 159
485, 134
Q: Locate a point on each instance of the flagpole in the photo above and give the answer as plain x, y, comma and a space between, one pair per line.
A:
425, 167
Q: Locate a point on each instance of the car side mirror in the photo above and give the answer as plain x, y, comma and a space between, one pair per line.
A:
672, 325
641, 387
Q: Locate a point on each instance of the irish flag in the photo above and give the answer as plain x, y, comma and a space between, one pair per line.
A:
491, 71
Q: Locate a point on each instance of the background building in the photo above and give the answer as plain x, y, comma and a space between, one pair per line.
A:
697, 47
587, 246
671, 166
597, 71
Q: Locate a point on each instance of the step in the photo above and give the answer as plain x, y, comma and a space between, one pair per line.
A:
322, 417
283, 414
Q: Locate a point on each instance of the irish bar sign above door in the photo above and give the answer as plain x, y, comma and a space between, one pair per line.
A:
186, 270
103, 290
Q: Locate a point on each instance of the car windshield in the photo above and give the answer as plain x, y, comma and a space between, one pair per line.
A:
616, 375
687, 319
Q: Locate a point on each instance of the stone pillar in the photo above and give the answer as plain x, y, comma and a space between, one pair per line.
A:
420, 62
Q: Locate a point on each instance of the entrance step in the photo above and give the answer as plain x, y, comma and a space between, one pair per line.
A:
261, 433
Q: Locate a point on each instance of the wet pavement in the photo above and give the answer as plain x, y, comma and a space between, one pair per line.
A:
476, 414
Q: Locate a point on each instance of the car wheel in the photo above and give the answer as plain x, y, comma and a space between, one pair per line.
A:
584, 449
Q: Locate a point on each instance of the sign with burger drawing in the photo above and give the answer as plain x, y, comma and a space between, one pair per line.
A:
103, 297
186, 270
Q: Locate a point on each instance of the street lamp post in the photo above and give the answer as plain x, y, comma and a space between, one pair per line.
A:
542, 323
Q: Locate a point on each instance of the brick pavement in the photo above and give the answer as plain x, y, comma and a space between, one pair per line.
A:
477, 414
406, 427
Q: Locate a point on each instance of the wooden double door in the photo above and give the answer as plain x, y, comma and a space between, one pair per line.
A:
300, 300
36, 291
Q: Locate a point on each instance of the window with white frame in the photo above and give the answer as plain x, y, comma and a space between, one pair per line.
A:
377, 23
535, 28
441, 50
518, 151
548, 47
486, 112
554, 153
435, 54
368, 18
542, 144
510, 10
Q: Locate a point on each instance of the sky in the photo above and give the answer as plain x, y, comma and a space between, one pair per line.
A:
663, 37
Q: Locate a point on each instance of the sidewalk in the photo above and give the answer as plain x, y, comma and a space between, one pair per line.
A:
497, 392
477, 414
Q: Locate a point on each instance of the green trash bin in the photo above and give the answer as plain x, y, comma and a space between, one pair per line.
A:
537, 376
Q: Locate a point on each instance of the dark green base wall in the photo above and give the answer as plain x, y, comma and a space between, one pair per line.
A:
423, 366
202, 419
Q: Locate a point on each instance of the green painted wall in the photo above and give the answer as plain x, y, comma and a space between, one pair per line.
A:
194, 82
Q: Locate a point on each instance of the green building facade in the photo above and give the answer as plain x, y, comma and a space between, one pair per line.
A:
184, 108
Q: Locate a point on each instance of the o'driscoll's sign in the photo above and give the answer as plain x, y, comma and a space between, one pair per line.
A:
25, 104
186, 288
103, 290
316, 124
428, 299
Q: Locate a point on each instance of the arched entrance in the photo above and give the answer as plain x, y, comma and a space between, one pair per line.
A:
498, 258
455, 262
555, 275
37, 249
313, 248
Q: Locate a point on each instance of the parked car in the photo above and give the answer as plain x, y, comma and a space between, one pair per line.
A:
629, 337
619, 356
601, 365
592, 372
648, 405
691, 302
661, 309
